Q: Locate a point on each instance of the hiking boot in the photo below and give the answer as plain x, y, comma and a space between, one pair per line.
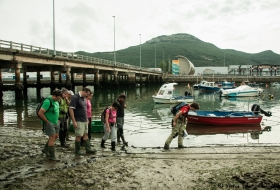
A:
181, 146
166, 146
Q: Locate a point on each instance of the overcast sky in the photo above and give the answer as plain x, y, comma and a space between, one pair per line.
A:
250, 26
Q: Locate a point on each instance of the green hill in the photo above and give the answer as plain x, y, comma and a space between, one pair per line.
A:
198, 52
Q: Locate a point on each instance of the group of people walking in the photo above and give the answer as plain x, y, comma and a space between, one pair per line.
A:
63, 105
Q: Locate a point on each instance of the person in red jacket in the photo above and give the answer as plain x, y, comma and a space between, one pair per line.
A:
179, 124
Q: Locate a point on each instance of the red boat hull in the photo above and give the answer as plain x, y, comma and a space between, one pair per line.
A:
224, 120
197, 129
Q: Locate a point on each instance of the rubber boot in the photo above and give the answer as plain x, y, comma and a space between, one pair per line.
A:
88, 148
46, 150
67, 135
113, 146
166, 146
118, 136
61, 137
123, 140
82, 142
78, 148
103, 144
52, 154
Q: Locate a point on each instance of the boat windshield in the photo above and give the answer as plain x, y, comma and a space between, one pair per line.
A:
161, 92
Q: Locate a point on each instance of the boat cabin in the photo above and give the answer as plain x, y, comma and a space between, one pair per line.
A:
166, 90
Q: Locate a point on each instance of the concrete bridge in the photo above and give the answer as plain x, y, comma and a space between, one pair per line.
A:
267, 79
27, 58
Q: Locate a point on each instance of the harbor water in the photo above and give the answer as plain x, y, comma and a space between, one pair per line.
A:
148, 124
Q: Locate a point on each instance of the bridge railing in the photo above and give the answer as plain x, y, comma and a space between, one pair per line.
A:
35, 49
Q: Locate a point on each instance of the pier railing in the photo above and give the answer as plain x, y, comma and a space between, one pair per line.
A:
35, 49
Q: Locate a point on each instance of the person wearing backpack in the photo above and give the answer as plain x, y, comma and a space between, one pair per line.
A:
89, 115
49, 113
110, 126
179, 124
78, 114
63, 107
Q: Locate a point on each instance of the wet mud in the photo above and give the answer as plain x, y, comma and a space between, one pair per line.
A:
24, 166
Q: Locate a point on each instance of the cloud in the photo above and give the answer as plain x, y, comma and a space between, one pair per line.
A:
88, 25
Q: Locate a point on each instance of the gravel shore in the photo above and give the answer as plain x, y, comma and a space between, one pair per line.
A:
23, 166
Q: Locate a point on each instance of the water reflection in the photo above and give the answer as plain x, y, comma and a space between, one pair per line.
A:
242, 103
148, 124
163, 111
254, 131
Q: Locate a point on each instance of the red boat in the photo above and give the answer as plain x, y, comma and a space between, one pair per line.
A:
224, 117
197, 129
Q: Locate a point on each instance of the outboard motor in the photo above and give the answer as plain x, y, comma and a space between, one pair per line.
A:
256, 109
188, 93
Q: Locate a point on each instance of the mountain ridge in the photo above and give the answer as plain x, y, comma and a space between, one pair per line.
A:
159, 51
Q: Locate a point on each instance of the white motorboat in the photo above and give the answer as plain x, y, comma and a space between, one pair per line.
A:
208, 86
196, 86
241, 91
166, 95
275, 84
212, 86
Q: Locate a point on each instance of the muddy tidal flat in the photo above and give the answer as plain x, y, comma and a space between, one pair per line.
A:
23, 166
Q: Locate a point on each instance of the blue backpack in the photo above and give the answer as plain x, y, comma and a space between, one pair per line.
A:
177, 107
